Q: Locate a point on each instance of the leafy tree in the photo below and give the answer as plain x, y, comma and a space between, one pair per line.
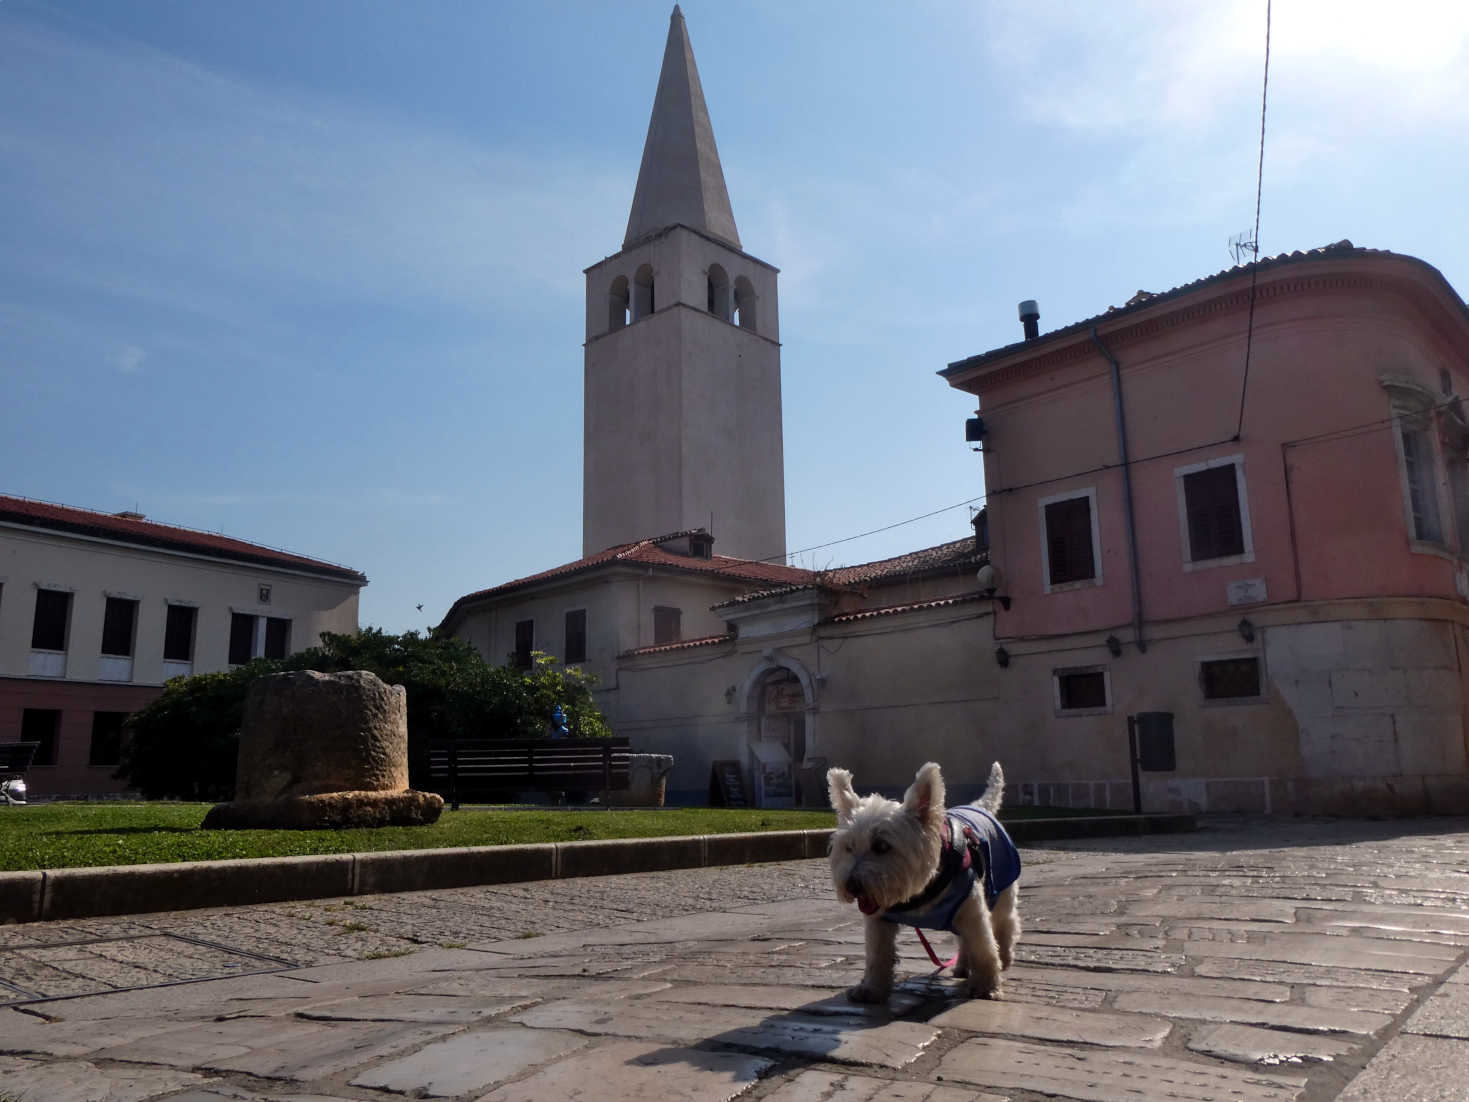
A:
185, 743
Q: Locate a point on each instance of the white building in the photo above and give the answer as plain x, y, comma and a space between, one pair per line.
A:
97, 610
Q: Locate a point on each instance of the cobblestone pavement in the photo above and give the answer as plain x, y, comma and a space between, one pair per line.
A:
1252, 960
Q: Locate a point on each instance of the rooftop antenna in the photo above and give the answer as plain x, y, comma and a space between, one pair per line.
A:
1241, 244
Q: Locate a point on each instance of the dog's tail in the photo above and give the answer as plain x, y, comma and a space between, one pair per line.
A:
994, 790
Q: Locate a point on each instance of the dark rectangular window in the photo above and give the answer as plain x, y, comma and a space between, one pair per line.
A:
41, 726
667, 625
1230, 678
117, 627
1082, 689
53, 613
242, 638
525, 641
576, 636
277, 637
1211, 500
106, 738
178, 634
1069, 541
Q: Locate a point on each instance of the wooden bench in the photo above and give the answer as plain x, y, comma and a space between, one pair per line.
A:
480, 769
15, 760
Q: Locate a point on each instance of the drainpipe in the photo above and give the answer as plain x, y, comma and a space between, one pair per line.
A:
1137, 588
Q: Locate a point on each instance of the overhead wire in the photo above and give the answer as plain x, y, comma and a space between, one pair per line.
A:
1255, 244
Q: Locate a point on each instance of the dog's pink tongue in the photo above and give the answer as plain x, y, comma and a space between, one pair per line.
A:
866, 905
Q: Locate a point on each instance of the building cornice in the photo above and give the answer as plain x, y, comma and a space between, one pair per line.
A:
238, 561
1350, 270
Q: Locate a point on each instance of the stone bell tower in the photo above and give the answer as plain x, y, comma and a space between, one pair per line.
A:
682, 375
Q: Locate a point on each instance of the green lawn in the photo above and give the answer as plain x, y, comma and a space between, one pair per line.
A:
71, 835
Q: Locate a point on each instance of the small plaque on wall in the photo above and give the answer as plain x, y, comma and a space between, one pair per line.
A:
1247, 591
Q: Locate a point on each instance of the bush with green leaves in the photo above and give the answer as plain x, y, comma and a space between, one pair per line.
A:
185, 743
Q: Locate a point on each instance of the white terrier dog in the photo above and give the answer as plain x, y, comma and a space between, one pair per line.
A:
917, 863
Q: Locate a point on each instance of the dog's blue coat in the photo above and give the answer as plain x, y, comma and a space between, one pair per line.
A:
974, 845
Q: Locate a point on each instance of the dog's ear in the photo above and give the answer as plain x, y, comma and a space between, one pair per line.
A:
843, 796
924, 799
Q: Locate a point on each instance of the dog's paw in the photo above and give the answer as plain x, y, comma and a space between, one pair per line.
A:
862, 993
979, 988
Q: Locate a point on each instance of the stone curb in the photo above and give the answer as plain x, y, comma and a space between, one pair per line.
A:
46, 895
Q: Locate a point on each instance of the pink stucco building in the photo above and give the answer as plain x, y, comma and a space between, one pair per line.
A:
1244, 502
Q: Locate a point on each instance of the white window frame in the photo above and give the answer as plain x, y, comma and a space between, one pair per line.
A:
1068, 713
257, 632
1231, 656
1090, 493
1410, 399
1247, 535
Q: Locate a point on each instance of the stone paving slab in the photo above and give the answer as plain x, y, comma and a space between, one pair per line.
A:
891, 1044
272, 1048
1308, 1019
1274, 971
1055, 1024
470, 1061
825, 1086
1267, 1047
1445, 1013
80, 1081
1107, 1075
1316, 953
1413, 1069
630, 1071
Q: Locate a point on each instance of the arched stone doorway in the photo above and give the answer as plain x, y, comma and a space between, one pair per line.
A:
781, 708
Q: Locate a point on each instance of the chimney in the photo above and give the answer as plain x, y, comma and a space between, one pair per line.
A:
1030, 317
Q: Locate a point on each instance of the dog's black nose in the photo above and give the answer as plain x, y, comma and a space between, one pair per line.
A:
854, 886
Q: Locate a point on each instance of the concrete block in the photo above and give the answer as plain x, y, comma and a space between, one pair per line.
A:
620, 855
1369, 688
1429, 743
426, 869
1308, 647
134, 889
1418, 643
1389, 797
20, 896
1349, 746
1434, 690
745, 849
1237, 794
1325, 796
1447, 795
818, 842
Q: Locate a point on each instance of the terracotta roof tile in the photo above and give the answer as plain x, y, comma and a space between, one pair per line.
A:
650, 552
683, 644
131, 528
916, 606
954, 555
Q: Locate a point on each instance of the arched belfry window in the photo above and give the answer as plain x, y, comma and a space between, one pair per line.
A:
744, 303
617, 304
719, 292
642, 292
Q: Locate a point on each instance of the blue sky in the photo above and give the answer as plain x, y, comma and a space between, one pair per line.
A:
310, 274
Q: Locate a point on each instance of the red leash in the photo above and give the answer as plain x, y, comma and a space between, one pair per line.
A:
932, 955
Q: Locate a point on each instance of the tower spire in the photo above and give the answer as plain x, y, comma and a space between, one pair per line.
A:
681, 180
